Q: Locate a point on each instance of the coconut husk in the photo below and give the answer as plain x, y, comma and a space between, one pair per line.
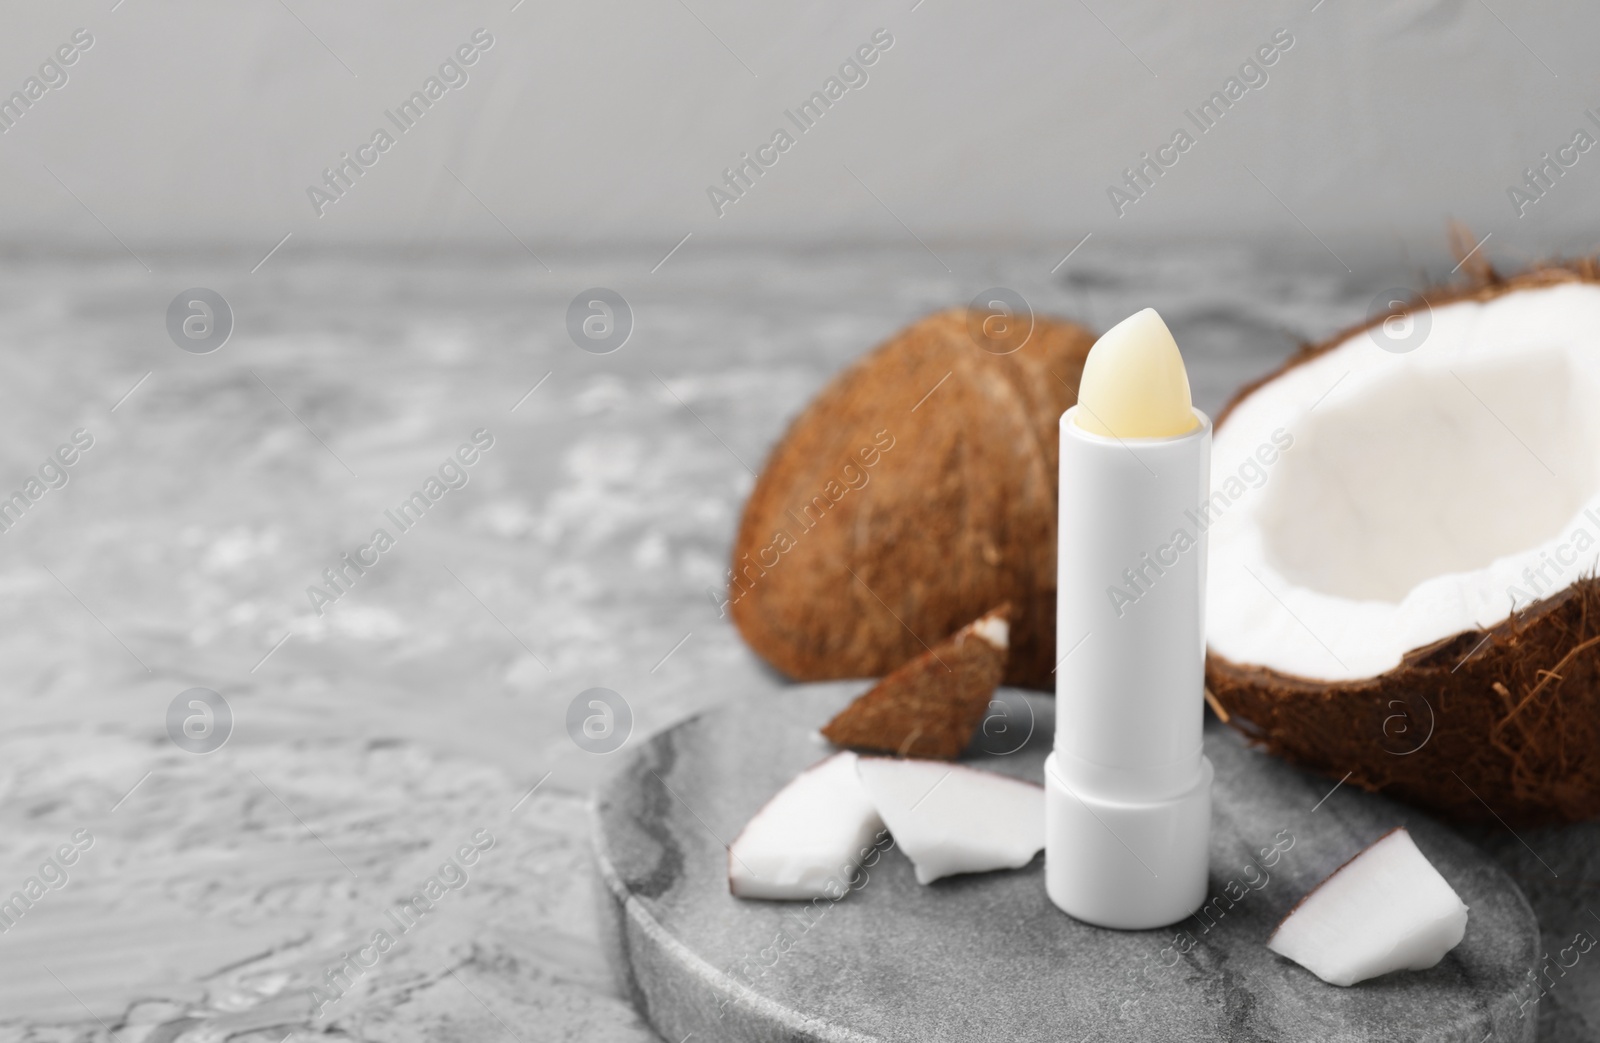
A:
929, 707
1500, 724
914, 493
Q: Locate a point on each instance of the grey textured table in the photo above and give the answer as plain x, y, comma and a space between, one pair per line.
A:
426, 703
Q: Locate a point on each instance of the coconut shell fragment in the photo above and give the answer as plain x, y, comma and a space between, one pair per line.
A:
917, 491
930, 707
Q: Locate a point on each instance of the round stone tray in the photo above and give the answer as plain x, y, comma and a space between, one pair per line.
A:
987, 957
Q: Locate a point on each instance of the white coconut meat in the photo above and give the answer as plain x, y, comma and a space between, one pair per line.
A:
993, 628
952, 819
1385, 910
807, 841
1421, 494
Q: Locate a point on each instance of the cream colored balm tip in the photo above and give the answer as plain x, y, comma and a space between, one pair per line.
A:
1134, 384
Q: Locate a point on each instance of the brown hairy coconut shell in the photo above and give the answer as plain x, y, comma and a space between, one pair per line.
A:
1508, 717
929, 708
917, 491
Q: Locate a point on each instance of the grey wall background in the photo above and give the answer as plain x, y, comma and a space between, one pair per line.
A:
606, 121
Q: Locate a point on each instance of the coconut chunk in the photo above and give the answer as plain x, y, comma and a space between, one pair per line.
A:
930, 706
951, 819
1387, 909
807, 841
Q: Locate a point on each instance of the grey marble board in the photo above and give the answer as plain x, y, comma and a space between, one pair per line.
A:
987, 957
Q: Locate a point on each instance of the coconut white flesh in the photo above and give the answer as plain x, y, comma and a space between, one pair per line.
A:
1385, 910
809, 838
1424, 493
993, 629
950, 819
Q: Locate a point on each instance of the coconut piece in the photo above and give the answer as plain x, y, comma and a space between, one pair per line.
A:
914, 493
930, 706
1387, 909
951, 819
1399, 533
808, 839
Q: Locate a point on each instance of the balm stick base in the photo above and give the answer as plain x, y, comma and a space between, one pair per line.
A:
1128, 866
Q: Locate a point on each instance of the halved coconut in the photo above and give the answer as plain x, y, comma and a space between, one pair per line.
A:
1387, 909
952, 819
916, 491
1404, 527
807, 840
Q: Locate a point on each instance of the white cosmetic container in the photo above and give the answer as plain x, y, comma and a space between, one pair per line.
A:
1127, 787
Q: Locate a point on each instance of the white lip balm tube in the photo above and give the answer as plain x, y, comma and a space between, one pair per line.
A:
1127, 787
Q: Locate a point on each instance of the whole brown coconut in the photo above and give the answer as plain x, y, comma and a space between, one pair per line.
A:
1495, 724
917, 491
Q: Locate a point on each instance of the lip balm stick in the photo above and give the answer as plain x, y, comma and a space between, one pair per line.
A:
1127, 788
